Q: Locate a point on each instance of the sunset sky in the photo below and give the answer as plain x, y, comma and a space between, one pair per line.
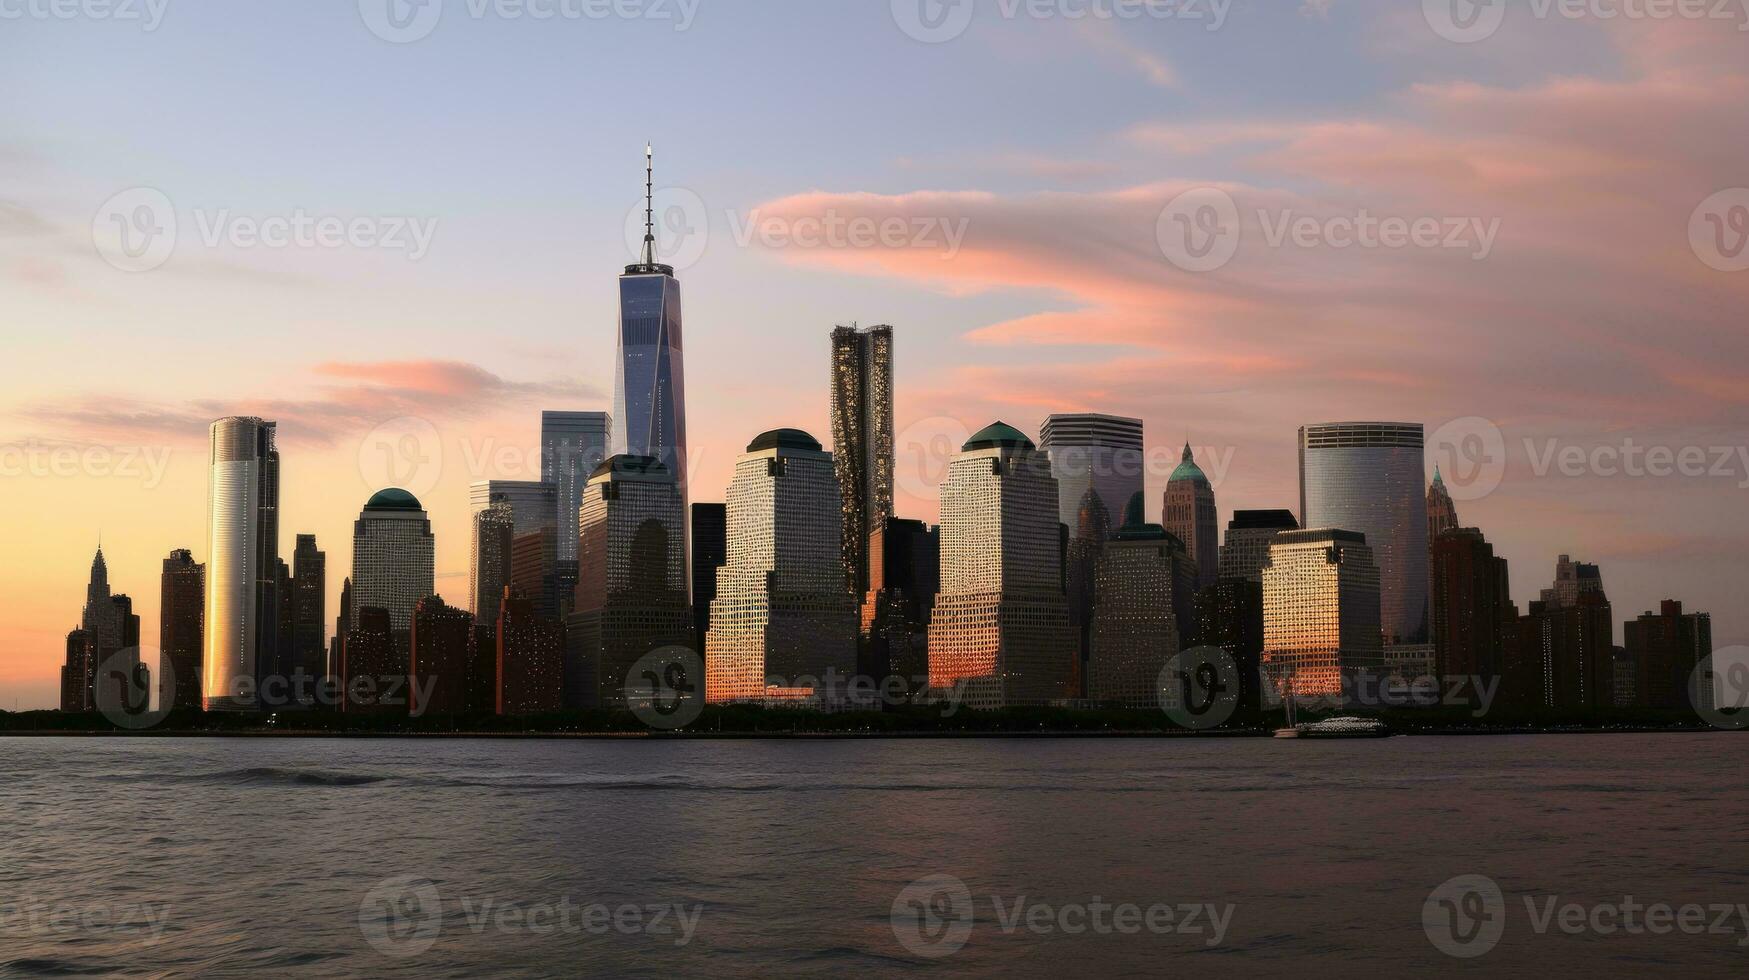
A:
1604, 313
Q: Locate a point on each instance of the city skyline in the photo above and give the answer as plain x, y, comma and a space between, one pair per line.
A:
1013, 326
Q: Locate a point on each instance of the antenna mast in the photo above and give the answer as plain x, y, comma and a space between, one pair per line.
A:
649, 205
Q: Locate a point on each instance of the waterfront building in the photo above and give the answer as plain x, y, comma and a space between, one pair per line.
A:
1320, 613
241, 618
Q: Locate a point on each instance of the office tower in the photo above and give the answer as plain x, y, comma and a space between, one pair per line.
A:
1320, 612
1441, 511
1081, 551
1101, 453
1664, 648
482, 668
710, 548
76, 672
533, 505
273, 674
904, 573
1135, 621
649, 385
1562, 657
442, 645
1190, 515
181, 602
115, 653
494, 535
1229, 615
1247, 544
783, 612
534, 571
531, 661
572, 445
1572, 580
309, 607
104, 620
241, 621
393, 557
342, 623
631, 581
862, 438
1000, 632
373, 667
1626, 677
1472, 605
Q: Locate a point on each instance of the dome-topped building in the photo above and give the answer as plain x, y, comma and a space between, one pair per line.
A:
1190, 515
997, 435
393, 557
392, 498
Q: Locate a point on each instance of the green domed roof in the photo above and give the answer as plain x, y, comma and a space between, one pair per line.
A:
1187, 470
392, 498
783, 439
997, 435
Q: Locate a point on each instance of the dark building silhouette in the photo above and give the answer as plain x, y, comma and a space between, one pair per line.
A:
277, 692
181, 608
1562, 657
1093, 525
336, 646
494, 532
710, 549
373, 670
442, 645
531, 667
1246, 549
482, 669
1229, 615
76, 672
1665, 647
1472, 605
309, 608
904, 575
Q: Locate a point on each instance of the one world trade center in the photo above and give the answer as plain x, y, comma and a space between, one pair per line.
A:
649, 389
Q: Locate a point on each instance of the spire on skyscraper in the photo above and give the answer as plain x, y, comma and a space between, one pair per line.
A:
649, 204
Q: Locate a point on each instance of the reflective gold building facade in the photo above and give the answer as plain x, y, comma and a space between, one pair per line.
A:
1320, 612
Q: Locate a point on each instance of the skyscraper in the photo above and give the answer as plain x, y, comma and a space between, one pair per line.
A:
1101, 453
1665, 647
783, 612
631, 584
1000, 633
494, 535
442, 643
1190, 515
1134, 622
1562, 657
241, 620
533, 505
531, 660
904, 574
1367, 477
1441, 511
393, 558
572, 445
106, 621
862, 438
309, 605
649, 387
534, 572
1247, 546
1472, 605
373, 665
1320, 612
710, 548
76, 672
1572, 580
181, 602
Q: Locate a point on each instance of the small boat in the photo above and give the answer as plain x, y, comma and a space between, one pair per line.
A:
1346, 726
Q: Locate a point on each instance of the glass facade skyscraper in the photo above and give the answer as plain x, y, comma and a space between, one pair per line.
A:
393, 558
1369, 477
241, 627
1320, 613
572, 445
862, 438
1101, 453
